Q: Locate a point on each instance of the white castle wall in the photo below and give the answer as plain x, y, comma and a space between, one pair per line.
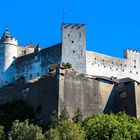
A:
103, 65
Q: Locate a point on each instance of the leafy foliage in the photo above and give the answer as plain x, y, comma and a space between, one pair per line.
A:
25, 131
54, 120
111, 127
78, 116
67, 65
53, 67
64, 114
66, 130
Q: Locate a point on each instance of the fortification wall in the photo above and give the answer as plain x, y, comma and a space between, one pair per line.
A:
41, 95
104, 65
37, 64
76, 91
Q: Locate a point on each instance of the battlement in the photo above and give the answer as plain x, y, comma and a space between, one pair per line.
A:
9, 40
72, 26
132, 50
132, 54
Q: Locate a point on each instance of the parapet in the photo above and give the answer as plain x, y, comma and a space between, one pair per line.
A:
72, 26
132, 50
9, 40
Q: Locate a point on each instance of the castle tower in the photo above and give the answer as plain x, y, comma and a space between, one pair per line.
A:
8, 52
74, 45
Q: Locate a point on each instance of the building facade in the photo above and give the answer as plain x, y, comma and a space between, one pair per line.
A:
31, 61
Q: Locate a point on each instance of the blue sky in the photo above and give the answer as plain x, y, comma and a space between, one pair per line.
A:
112, 25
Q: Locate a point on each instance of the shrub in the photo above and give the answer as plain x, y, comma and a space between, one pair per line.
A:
67, 65
53, 67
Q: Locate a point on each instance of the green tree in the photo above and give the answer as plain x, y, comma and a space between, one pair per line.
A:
54, 120
111, 127
78, 116
64, 114
67, 130
25, 131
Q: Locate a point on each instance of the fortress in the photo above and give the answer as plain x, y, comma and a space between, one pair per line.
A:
89, 92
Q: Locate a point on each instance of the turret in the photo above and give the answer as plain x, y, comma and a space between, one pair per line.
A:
8, 52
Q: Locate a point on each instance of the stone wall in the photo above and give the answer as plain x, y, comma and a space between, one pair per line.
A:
41, 95
74, 46
77, 91
126, 97
104, 65
37, 64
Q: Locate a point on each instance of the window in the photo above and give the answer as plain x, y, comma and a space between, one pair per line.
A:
73, 51
117, 69
38, 74
125, 65
72, 41
112, 62
136, 72
134, 66
68, 35
104, 66
122, 69
130, 71
95, 58
103, 60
